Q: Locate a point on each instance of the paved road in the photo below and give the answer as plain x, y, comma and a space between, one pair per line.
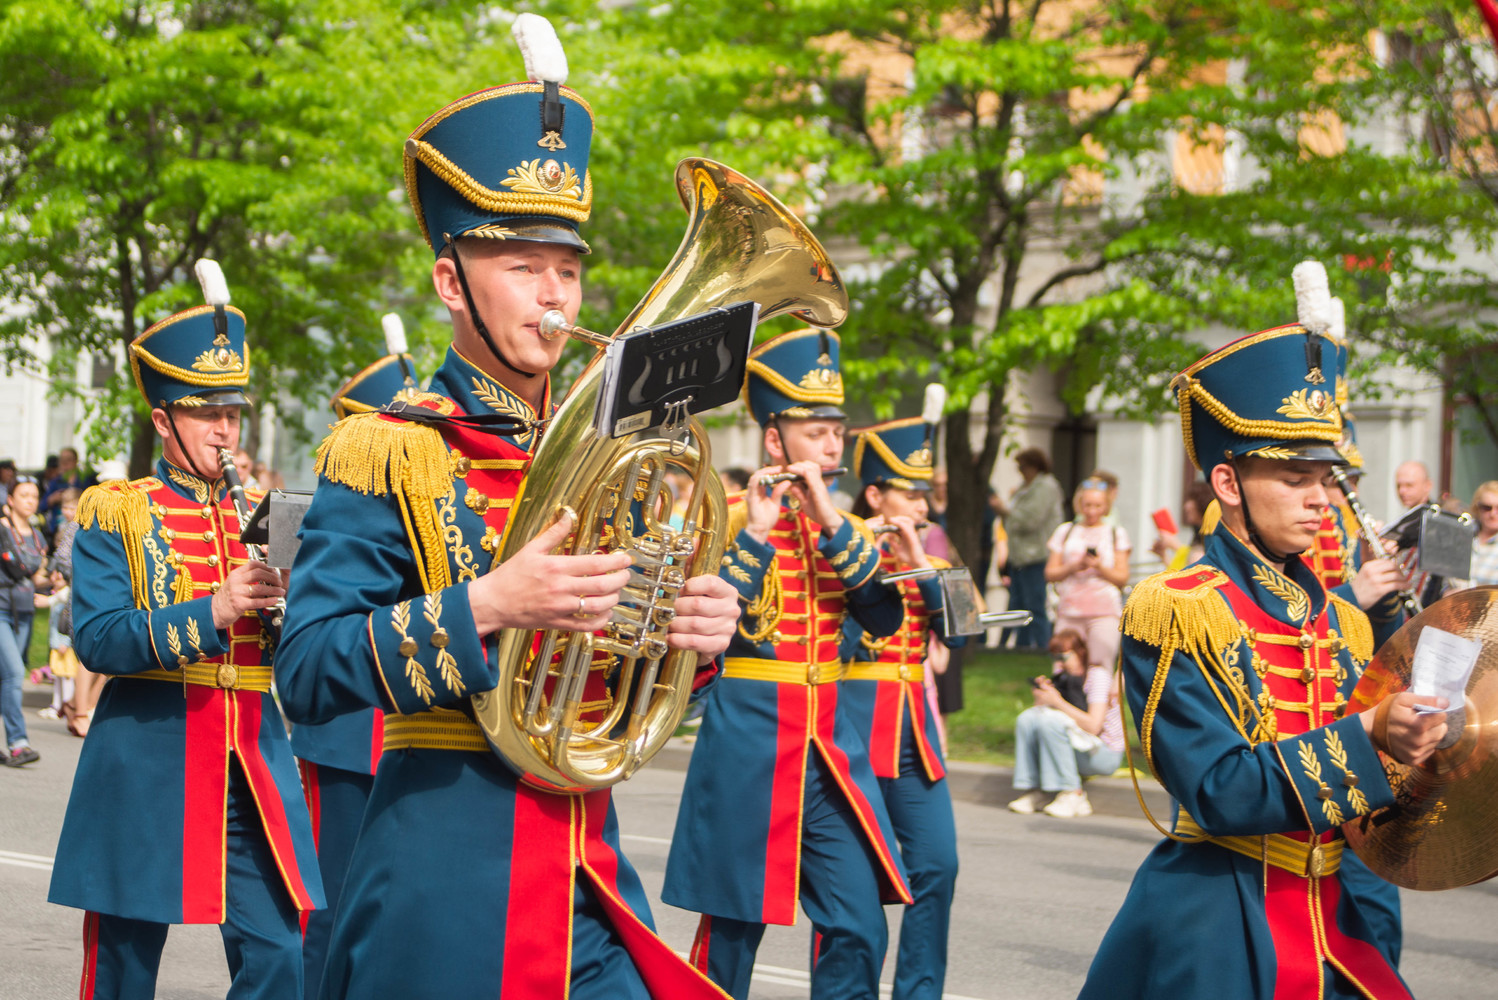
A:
1033, 900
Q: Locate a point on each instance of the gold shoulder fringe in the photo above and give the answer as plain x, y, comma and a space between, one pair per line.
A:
738, 516
122, 509
939, 563
1194, 620
1356, 629
376, 456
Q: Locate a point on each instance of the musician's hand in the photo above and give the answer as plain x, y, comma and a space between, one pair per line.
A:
1376, 580
251, 587
811, 488
535, 589
707, 612
764, 508
906, 544
938, 656
1404, 734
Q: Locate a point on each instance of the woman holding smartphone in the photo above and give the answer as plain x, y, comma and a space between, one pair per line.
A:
1089, 564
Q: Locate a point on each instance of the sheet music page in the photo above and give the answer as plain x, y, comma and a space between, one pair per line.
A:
1443, 663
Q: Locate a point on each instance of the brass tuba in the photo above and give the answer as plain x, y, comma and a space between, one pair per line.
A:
740, 244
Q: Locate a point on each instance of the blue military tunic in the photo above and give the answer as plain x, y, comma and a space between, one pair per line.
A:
464, 882
1238, 673
145, 831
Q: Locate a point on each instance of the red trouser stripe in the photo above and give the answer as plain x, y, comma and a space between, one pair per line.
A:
204, 805
90, 954
312, 792
702, 943
268, 799
783, 844
538, 918
1302, 915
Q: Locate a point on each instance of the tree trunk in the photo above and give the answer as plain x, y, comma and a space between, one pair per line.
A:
967, 493
142, 446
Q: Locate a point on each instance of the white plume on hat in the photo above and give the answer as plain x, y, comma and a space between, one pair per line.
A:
1338, 328
1313, 298
935, 403
395, 333
544, 58
211, 277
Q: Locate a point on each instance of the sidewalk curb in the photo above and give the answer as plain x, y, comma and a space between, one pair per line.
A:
992, 785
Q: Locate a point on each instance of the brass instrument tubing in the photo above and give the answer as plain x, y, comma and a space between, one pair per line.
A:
276, 614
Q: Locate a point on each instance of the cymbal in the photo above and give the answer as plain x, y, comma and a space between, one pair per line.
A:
1442, 831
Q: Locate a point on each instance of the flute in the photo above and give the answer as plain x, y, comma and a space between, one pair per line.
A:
786, 477
890, 529
1370, 532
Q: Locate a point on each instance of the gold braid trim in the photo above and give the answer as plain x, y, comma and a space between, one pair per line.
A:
123, 509
375, 456
1197, 622
182, 587
1357, 630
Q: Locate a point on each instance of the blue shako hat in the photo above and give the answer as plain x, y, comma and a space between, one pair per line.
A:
895, 453
391, 377
795, 376
373, 387
510, 162
197, 357
1265, 395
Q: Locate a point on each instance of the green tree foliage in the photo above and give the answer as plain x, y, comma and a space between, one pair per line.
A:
140, 136
1005, 169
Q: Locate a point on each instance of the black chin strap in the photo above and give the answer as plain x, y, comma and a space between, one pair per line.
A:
1248, 524
187, 455
478, 321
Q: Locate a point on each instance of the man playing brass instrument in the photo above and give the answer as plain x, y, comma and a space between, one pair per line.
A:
781, 804
1238, 671
465, 881
186, 807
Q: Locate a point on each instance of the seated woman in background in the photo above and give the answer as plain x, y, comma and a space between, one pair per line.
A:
1057, 742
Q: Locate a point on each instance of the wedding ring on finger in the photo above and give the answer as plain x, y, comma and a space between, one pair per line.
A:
582, 610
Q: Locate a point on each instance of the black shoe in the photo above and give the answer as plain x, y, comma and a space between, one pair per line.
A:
21, 756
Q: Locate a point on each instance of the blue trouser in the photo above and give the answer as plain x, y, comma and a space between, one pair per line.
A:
15, 635
1027, 593
337, 812
1045, 758
840, 892
261, 939
921, 812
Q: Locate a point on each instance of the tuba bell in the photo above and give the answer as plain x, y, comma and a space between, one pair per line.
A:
558, 715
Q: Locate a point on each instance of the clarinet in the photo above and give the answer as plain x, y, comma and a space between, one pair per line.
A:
272, 616
1407, 597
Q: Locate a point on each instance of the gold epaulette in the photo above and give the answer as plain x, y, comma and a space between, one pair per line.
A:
937, 562
738, 515
123, 508
1181, 611
379, 456
1357, 630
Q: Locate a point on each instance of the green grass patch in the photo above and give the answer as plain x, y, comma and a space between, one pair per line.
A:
37, 652
995, 690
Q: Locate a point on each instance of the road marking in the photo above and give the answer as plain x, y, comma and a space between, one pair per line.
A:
36, 861
768, 973
644, 839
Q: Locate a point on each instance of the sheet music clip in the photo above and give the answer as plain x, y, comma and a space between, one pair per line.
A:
674, 427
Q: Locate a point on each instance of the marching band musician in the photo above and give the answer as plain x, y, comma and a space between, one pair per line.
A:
466, 882
780, 803
883, 693
186, 804
338, 758
1238, 671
